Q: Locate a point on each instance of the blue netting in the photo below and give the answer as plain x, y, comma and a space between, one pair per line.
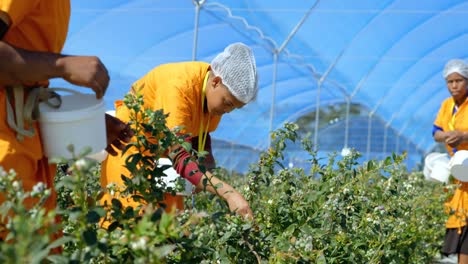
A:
386, 55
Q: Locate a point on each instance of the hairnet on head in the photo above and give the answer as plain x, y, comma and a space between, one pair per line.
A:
456, 65
236, 67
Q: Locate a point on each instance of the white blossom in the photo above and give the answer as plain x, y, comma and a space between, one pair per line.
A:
139, 244
345, 152
81, 164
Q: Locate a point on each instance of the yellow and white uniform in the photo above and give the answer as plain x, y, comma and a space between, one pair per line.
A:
447, 120
177, 89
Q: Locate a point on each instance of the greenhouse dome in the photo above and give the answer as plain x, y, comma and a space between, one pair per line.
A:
361, 74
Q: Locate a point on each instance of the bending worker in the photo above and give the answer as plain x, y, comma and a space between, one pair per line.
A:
32, 34
451, 128
195, 95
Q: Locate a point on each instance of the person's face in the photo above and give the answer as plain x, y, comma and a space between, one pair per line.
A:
219, 99
457, 85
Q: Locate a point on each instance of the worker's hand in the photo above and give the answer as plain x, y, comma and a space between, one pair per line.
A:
453, 138
87, 71
235, 200
117, 132
238, 204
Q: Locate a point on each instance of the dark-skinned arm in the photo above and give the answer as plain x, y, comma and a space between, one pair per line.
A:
451, 138
19, 66
190, 170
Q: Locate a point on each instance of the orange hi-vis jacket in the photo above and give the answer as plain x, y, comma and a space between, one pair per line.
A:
36, 25
177, 89
457, 206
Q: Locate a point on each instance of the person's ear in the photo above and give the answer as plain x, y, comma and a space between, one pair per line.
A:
216, 80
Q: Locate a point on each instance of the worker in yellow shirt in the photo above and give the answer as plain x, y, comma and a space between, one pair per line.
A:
451, 128
195, 95
32, 35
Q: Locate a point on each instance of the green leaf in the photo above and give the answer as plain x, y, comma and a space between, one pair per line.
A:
100, 211
132, 161
113, 226
187, 146
203, 153
205, 182
89, 237
129, 213
321, 259
116, 204
217, 215
165, 223
60, 242
67, 182
246, 227
58, 259
157, 215
202, 168
92, 217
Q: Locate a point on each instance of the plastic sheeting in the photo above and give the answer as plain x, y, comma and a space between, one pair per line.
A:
385, 55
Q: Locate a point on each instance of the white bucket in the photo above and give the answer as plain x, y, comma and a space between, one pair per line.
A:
171, 177
459, 165
440, 171
80, 120
436, 167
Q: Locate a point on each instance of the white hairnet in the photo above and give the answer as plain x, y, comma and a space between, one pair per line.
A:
456, 65
236, 67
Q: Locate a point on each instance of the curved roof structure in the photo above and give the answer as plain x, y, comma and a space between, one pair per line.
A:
385, 55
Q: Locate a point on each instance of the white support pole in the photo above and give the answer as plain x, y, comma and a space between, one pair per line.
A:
385, 139
317, 105
296, 28
397, 147
369, 135
348, 106
369, 130
317, 114
408, 149
273, 94
198, 4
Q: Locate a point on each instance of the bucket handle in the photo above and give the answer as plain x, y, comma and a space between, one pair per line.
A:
65, 90
57, 96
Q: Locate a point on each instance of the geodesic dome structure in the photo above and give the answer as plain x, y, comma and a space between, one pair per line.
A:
385, 56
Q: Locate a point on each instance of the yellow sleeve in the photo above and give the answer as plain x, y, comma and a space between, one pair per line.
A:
18, 9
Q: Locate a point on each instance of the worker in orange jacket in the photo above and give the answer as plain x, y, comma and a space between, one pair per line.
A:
195, 95
32, 35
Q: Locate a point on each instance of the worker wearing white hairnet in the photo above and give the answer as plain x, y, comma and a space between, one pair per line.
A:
195, 95
451, 128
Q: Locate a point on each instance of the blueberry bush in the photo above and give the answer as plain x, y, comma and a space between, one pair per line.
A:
335, 212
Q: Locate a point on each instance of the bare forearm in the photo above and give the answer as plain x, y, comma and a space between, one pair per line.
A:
440, 136
451, 138
20, 66
214, 185
235, 200
190, 171
23, 66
